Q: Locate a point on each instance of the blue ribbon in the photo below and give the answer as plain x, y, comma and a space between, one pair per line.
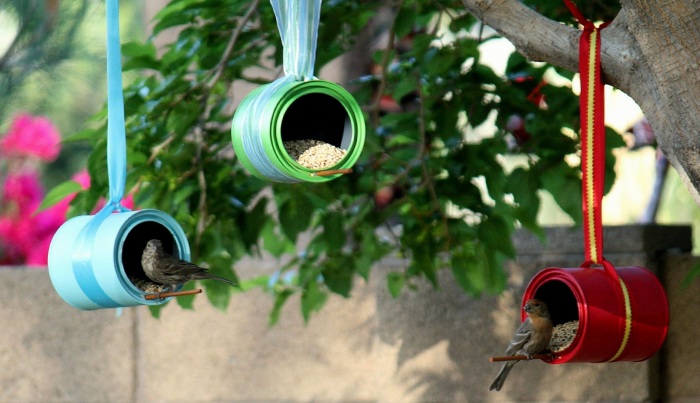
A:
116, 133
116, 167
297, 21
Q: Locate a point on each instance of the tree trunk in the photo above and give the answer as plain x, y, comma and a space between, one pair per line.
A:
651, 51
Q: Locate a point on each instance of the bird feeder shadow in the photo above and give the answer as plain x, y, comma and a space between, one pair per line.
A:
94, 263
622, 312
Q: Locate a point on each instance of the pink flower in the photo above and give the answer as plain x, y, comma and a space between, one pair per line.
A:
38, 255
83, 178
24, 191
31, 136
17, 238
25, 236
11, 253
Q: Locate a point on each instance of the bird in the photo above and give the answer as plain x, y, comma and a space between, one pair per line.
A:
162, 268
532, 337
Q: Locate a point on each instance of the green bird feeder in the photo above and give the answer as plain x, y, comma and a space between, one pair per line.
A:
298, 108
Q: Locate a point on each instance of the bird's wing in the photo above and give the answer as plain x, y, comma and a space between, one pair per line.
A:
522, 335
183, 267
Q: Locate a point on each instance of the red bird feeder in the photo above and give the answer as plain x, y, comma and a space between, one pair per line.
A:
622, 313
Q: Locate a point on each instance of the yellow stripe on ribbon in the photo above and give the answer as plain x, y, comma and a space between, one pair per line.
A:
590, 155
628, 321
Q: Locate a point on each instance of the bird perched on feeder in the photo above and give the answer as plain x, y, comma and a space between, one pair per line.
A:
532, 337
165, 269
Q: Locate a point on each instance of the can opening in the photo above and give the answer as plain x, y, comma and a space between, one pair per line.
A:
317, 116
560, 300
135, 242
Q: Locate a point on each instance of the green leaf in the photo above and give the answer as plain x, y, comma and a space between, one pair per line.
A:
312, 300
371, 249
565, 186
138, 49
422, 262
274, 243
338, 275
86, 134
496, 279
439, 61
255, 282
333, 231
613, 139
253, 223
186, 301
280, 299
405, 21
59, 193
406, 85
218, 293
463, 270
496, 234
156, 310
523, 185
395, 282
295, 216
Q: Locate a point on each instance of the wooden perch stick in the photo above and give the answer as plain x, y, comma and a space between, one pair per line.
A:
543, 357
332, 172
163, 295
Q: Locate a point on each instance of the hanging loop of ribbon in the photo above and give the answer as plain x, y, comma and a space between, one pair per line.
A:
116, 133
592, 115
116, 164
297, 21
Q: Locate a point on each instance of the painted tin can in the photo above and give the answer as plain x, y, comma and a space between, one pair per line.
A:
92, 259
288, 110
623, 320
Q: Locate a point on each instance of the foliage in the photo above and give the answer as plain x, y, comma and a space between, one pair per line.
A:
441, 182
52, 64
44, 38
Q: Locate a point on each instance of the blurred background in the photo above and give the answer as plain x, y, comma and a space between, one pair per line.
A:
52, 64
52, 80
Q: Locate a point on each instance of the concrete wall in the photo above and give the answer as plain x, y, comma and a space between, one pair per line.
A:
426, 346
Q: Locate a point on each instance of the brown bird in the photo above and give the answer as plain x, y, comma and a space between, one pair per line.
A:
165, 269
532, 337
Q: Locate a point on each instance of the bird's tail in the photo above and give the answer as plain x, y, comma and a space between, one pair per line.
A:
502, 375
215, 277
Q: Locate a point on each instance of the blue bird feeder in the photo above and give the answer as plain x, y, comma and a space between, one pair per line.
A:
95, 260
94, 263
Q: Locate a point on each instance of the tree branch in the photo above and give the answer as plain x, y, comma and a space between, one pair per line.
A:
540, 39
534, 36
650, 52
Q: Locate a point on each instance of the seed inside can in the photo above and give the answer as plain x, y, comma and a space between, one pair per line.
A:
147, 285
563, 335
314, 154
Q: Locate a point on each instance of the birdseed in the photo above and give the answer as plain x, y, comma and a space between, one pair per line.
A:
563, 335
314, 154
147, 285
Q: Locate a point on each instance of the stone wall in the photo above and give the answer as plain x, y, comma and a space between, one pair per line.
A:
425, 346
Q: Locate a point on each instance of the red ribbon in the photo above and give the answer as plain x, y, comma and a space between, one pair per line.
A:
592, 105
